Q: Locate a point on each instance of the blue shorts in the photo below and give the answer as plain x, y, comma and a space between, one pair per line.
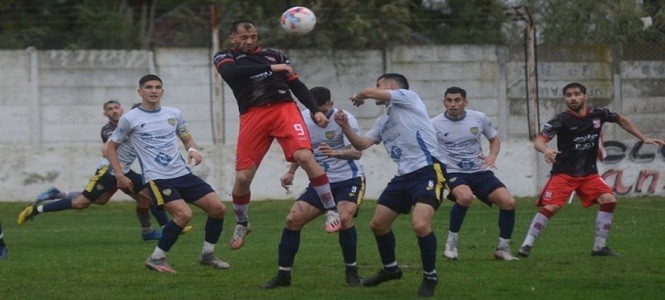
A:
424, 185
103, 182
482, 184
187, 187
352, 190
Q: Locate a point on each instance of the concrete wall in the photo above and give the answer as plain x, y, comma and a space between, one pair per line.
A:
51, 105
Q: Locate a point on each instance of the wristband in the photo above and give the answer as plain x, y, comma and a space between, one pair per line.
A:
192, 149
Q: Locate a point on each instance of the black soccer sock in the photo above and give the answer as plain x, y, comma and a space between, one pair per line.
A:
288, 247
214, 229
159, 214
348, 240
59, 205
506, 223
386, 245
427, 246
457, 214
170, 235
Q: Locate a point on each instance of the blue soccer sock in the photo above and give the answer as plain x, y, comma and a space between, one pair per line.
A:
159, 214
457, 214
170, 235
288, 247
62, 204
2, 238
386, 245
348, 239
213, 230
506, 223
427, 246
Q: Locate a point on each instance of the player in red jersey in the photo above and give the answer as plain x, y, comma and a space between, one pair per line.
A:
578, 132
262, 81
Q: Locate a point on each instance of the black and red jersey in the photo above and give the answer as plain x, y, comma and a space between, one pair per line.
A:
107, 130
578, 140
250, 78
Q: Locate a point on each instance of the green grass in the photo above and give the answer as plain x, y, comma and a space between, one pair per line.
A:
97, 253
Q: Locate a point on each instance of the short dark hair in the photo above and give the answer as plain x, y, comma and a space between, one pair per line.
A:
455, 90
233, 28
574, 85
135, 105
149, 77
399, 78
112, 101
321, 95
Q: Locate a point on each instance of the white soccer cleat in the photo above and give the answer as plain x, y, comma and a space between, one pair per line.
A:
333, 224
238, 238
504, 254
450, 252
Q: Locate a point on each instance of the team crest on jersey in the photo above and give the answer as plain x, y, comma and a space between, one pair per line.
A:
330, 135
596, 123
547, 195
430, 185
474, 130
172, 121
451, 180
166, 192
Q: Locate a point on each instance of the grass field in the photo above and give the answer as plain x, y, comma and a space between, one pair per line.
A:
98, 254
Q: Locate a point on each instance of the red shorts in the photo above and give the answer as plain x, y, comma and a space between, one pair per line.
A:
260, 125
558, 189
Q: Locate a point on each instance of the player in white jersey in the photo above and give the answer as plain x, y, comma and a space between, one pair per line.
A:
409, 138
153, 131
459, 131
345, 171
101, 186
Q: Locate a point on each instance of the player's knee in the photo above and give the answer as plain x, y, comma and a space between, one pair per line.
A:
421, 227
293, 222
464, 199
81, 203
507, 203
379, 228
346, 219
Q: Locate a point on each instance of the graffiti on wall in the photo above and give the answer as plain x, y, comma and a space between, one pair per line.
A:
633, 168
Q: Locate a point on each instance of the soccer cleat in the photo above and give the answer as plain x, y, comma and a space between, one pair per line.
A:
450, 252
333, 224
381, 277
49, 194
151, 235
524, 251
3, 252
427, 287
209, 259
160, 265
276, 282
504, 254
238, 238
27, 213
605, 251
186, 229
352, 278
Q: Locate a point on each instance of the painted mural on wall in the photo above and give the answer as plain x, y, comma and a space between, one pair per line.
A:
633, 168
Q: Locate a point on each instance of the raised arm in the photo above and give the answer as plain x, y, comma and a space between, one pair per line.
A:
359, 142
629, 127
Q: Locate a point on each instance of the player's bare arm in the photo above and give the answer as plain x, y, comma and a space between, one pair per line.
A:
629, 127
282, 68
190, 145
287, 179
540, 144
490, 160
321, 119
380, 96
347, 153
359, 142
123, 182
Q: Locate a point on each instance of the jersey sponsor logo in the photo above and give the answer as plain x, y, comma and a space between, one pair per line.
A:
430, 185
474, 130
163, 159
270, 58
261, 75
395, 152
330, 135
596, 123
172, 121
166, 192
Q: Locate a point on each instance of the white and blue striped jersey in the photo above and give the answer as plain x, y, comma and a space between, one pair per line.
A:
154, 136
337, 169
459, 140
406, 132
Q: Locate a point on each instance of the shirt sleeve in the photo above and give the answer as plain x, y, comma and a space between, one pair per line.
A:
375, 132
489, 131
181, 126
122, 132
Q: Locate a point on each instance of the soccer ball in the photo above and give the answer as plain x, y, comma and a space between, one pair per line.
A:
298, 20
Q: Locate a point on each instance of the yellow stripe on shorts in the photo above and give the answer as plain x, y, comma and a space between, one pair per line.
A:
156, 192
93, 180
440, 181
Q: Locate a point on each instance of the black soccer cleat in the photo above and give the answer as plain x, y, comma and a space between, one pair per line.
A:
352, 278
381, 277
524, 251
605, 251
276, 282
427, 287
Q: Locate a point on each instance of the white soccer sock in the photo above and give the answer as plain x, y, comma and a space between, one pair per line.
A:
325, 194
452, 237
40, 209
503, 243
158, 253
241, 212
603, 224
208, 247
538, 223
